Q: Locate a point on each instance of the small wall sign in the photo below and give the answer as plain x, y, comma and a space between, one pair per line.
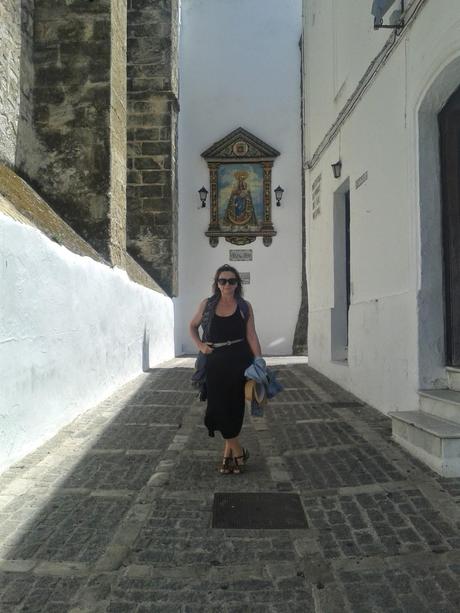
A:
316, 196
245, 278
240, 255
362, 179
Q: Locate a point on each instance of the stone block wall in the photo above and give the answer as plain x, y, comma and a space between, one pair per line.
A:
16, 80
63, 120
118, 126
80, 117
152, 138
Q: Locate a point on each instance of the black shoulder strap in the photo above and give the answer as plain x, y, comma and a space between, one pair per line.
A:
209, 310
207, 317
244, 308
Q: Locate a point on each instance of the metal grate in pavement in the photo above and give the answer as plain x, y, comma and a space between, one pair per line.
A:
345, 404
258, 511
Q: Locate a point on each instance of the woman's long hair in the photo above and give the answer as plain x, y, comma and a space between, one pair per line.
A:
227, 268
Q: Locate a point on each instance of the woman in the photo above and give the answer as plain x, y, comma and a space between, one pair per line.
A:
230, 343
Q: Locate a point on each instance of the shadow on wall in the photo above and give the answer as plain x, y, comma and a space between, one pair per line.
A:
146, 351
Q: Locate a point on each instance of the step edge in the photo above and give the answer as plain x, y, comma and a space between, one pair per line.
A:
397, 415
432, 395
439, 465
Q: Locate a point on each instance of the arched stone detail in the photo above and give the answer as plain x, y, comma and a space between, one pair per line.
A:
430, 307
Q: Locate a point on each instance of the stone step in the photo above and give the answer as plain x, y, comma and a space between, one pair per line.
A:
433, 440
441, 403
453, 378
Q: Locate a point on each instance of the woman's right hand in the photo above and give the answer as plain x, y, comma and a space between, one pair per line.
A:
204, 348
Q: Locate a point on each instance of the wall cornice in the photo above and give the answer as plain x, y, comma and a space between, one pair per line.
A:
370, 74
21, 203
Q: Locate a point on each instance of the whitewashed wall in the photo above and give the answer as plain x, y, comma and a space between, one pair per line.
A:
240, 66
395, 343
337, 63
71, 332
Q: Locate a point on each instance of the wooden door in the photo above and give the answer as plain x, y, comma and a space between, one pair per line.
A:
347, 255
449, 126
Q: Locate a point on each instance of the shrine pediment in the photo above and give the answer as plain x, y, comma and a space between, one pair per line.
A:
239, 144
240, 171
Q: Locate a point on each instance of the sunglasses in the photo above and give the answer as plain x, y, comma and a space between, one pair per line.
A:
223, 281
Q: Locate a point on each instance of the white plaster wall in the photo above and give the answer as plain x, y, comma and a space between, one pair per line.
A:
339, 43
395, 343
71, 332
240, 66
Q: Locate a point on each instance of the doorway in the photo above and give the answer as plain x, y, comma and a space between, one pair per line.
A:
449, 130
342, 275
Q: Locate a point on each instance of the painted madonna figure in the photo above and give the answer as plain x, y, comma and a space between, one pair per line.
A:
240, 209
230, 343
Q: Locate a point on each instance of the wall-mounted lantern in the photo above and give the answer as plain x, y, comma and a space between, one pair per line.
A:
380, 8
337, 169
203, 192
278, 195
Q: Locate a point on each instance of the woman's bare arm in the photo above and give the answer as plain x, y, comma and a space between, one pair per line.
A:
193, 328
251, 334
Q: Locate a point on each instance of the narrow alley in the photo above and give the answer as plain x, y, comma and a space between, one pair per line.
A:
115, 513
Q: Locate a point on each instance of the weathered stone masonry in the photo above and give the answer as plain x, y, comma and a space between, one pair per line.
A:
64, 112
152, 137
80, 117
16, 80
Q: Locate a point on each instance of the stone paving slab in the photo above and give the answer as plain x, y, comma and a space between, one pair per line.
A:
65, 529
295, 395
172, 398
114, 513
345, 466
26, 592
412, 590
291, 413
123, 436
152, 414
452, 486
127, 471
379, 523
307, 435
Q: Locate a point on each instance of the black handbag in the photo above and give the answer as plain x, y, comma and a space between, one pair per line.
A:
199, 376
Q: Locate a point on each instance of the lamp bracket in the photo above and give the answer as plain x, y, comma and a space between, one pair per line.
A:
378, 24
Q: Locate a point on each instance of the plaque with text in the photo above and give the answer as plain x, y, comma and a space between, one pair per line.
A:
362, 179
245, 278
316, 196
240, 255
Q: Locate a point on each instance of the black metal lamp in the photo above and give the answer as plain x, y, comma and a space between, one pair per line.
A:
278, 195
337, 169
380, 8
203, 195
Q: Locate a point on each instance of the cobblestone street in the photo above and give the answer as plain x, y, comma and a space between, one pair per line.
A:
114, 513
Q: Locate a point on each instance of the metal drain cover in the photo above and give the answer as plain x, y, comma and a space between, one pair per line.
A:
345, 405
258, 511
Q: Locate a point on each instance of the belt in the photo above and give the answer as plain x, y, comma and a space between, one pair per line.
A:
225, 344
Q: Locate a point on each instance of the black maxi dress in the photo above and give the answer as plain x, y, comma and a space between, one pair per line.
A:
225, 375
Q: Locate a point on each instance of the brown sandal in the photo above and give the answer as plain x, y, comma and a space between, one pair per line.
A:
226, 466
240, 461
